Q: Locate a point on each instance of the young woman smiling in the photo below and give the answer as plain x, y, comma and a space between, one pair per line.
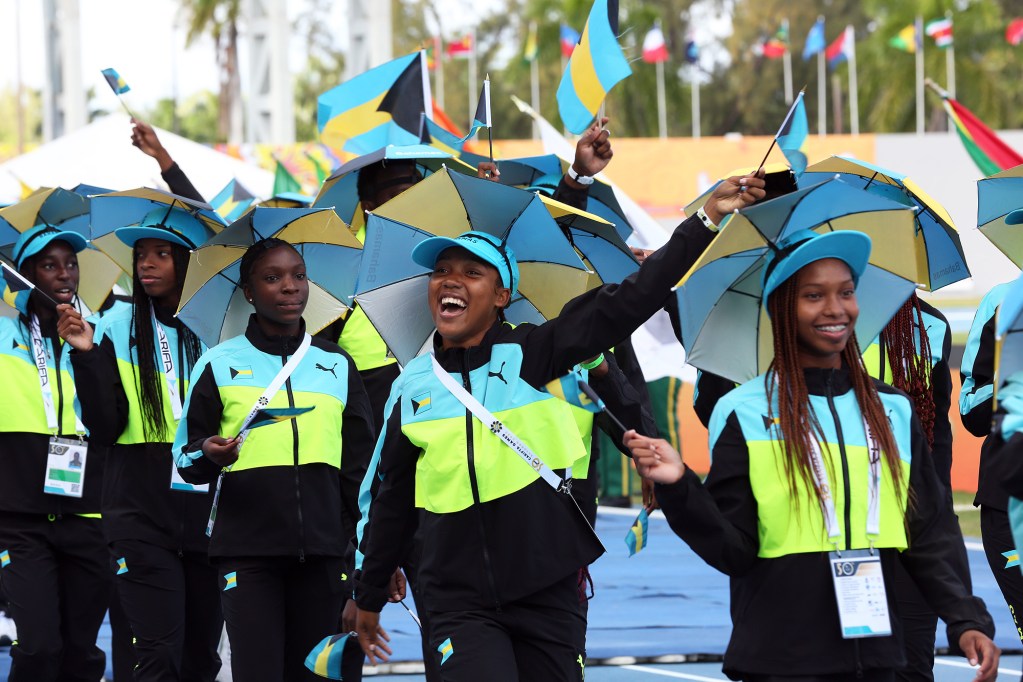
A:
820, 475
54, 569
131, 377
287, 503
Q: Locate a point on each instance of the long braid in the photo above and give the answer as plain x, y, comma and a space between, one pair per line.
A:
911, 364
799, 425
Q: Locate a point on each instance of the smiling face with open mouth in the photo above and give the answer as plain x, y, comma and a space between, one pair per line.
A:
465, 295
826, 312
54, 270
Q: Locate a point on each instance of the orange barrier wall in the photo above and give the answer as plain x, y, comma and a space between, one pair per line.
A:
965, 448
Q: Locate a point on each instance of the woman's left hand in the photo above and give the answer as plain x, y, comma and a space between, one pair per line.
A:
980, 650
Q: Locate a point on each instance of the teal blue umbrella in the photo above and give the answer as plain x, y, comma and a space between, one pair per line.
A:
937, 243
999, 200
1009, 333
723, 291
392, 287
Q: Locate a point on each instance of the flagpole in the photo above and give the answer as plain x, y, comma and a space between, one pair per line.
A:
854, 103
695, 86
472, 74
822, 105
780, 128
787, 71
662, 117
919, 43
534, 77
438, 61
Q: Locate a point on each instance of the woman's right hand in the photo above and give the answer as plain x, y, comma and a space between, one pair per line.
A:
222, 451
73, 328
655, 458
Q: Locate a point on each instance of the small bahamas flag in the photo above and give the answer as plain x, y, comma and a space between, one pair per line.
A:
116, 83
792, 136
567, 388
635, 539
1011, 558
122, 566
327, 657
230, 580
5, 558
446, 648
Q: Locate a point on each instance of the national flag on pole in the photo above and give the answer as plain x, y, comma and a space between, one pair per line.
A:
359, 117
567, 388
792, 136
841, 48
692, 52
284, 181
776, 46
114, 80
940, 30
16, 289
430, 47
654, 48
594, 68
569, 39
274, 415
636, 538
462, 48
232, 201
1014, 32
482, 119
905, 40
814, 40
988, 151
532, 47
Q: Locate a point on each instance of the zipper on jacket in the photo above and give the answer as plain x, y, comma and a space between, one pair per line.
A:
294, 450
846, 511
474, 484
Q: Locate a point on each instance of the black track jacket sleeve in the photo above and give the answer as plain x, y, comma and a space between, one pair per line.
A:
100, 392
179, 184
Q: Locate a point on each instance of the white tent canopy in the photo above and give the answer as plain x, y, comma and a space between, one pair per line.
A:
101, 154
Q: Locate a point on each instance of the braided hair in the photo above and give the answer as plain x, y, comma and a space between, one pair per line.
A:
147, 376
795, 417
911, 365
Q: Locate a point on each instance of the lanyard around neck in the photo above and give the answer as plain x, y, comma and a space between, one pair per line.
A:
165, 357
45, 387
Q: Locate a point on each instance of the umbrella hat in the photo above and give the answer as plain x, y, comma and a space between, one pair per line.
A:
392, 286
724, 291
213, 304
936, 240
999, 211
1009, 333
805, 247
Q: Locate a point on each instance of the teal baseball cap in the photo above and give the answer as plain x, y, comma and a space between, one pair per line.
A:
805, 247
486, 247
170, 224
35, 240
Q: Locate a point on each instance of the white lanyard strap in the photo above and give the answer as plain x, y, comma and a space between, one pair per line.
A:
39, 354
165, 357
275, 385
820, 477
499, 429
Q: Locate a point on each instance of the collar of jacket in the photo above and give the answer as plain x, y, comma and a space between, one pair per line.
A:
165, 316
277, 344
451, 359
818, 380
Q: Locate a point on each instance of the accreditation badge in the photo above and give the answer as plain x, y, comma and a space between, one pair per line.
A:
65, 467
860, 593
180, 484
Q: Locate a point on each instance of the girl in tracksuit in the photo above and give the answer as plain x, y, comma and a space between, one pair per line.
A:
53, 559
501, 547
287, 503
131, 376
784, 506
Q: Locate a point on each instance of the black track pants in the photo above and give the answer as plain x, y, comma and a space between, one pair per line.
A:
277, 609
173, 607
57, 581
997, 536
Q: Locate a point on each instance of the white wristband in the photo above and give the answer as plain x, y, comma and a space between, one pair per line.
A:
705, 219
581, 179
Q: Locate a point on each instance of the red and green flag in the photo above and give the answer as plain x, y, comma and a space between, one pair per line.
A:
987, 150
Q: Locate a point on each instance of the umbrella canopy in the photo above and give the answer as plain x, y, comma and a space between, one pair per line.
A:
937, 243
999, 199
68, 210
340, 190
723, 291
543, 173
598, 242
287, 200
392, 287
212, 302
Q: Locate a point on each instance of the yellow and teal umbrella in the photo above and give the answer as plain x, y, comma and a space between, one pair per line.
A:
999, 200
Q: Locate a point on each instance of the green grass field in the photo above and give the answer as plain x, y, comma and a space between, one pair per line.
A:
969, 516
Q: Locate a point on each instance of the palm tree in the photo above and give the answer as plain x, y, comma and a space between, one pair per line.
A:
219, 19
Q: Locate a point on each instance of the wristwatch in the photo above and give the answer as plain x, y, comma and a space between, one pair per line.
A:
581, 179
